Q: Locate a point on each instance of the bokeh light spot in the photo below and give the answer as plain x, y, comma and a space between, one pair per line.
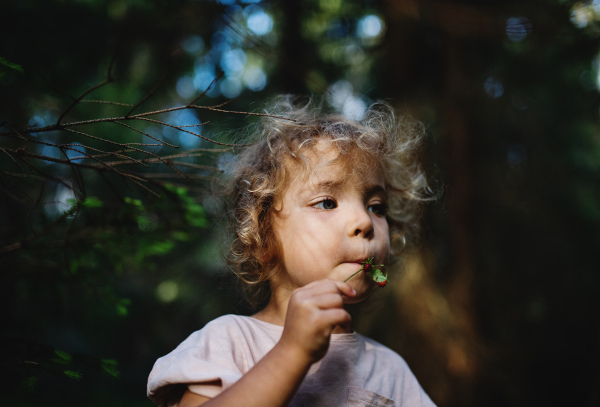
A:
231, 87
220, 41
185, 87
354, 108
193, 44
493, 87
338, 93
167, 291
60, 203
518, 28
354, 54
255, 79
580, 15
259, 22
183, 118
36, 121
370, 26
75, 152
204, 76
233, 61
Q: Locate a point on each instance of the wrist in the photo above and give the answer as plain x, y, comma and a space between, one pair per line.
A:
293, 355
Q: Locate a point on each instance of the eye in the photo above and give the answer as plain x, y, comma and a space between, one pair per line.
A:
379, 209
327, 204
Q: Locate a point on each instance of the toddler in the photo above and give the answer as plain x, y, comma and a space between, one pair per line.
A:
314, 198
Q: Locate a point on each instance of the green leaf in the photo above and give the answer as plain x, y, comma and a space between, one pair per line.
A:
73, 375
63, 357
135, 202
144, 223
195, 215
11, 65
122, 306
92, 202
72, 202
160, 248
110, 367
378, 276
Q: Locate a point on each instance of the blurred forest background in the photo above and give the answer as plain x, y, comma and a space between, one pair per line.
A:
110, 236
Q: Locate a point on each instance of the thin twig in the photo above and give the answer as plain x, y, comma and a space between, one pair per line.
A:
152, 91
112, 142
146, 134
107, 102
84, 94
189, 132
162, 175
219, 76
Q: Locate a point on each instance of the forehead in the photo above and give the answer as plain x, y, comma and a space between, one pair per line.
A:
325, 166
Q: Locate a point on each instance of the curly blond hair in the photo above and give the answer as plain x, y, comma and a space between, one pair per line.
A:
287, 133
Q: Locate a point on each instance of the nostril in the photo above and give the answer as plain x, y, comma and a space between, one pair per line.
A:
364, 233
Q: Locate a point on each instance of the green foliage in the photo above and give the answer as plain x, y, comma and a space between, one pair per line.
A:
72, 375
28, 384
63, 357
7, 64
110, 367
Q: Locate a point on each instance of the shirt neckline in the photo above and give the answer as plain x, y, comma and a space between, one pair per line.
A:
345, 337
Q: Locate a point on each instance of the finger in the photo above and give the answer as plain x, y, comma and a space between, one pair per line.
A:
335, 316
345, 289
325, 286
328, 300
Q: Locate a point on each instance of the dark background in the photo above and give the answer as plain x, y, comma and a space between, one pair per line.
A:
100, 276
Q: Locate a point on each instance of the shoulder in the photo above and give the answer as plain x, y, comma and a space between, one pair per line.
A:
228, 327
222, 350
229, 337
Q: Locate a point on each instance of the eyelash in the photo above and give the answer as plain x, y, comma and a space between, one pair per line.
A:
320, 204
379, 209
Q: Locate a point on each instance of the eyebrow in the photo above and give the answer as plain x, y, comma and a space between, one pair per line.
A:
333, 186
376, 189
328, 185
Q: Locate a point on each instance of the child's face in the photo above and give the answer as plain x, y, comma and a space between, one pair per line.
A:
329, 223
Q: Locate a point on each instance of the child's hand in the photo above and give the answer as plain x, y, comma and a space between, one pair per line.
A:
313, 312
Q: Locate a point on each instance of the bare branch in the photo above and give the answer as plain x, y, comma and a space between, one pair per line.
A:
146, 134
84, 94
189, 132
152, 91
218, 77
108, 141
106, 102
10, 156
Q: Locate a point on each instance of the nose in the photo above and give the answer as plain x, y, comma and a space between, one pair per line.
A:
360, 223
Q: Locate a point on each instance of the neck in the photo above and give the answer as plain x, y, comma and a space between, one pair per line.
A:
276, 309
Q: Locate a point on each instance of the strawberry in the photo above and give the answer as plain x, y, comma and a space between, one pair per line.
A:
376, 274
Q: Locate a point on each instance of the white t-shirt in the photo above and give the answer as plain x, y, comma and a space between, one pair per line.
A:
356, 371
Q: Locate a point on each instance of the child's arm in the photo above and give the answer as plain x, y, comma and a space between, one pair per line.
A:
313, 312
